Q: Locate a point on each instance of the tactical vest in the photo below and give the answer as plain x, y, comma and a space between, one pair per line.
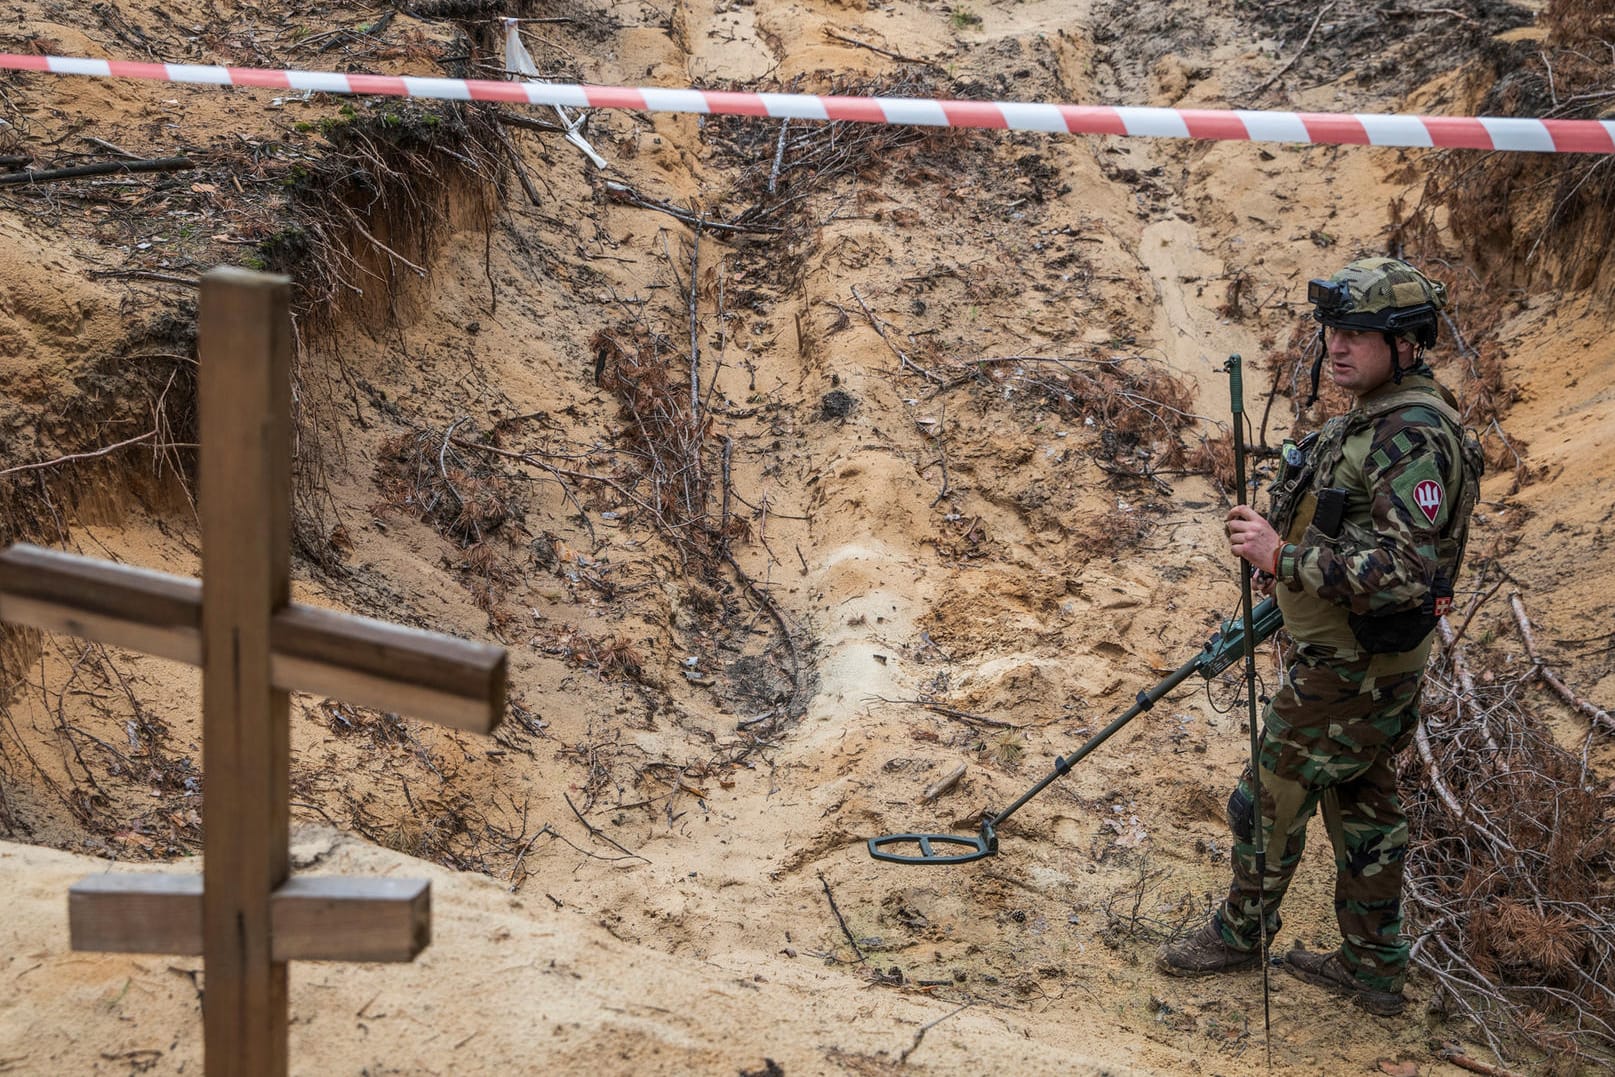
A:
1400, 641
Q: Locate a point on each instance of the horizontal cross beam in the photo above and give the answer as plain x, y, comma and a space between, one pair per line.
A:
312, 917
370, 663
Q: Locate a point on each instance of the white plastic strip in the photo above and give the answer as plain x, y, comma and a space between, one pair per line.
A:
1522, 135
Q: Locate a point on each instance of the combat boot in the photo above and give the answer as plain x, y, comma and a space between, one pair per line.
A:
1205, 954
1330, 972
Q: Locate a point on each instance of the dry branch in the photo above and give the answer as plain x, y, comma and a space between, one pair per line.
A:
104, 168
1298, 52
845, 930
625, 194
902, 356
943, 784
1597, 715
836, 35
1509, 866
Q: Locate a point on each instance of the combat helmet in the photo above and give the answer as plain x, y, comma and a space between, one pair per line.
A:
1384, 294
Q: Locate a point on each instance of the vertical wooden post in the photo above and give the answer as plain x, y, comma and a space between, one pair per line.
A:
246, 916
245, 488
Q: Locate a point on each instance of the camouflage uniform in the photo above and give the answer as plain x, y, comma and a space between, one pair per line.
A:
1360, 608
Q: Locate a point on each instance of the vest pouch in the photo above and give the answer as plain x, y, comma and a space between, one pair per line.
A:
1394, 633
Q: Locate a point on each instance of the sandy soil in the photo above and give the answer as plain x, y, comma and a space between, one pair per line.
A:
660, 859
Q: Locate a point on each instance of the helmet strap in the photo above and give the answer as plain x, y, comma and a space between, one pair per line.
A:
1317, 365
1396, 358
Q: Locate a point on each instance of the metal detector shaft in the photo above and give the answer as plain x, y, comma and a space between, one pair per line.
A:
1236, 396
1224, 648
1145, 701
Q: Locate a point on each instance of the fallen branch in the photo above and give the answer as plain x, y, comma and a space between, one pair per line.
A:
596, 832
145, 274
779, 156
942, 459
511, 119
1437, 782
902, 356
1466, 687
1451, 1052
1298, 52
831, 898
920, 1035
1597, 715
949, 712
104, 168
110, 147
626, 194
836, 35
778, 616
942, 784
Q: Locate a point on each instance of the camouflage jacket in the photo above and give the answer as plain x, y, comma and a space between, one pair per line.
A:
1410, 476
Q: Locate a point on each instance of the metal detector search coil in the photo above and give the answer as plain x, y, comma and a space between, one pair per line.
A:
982, 845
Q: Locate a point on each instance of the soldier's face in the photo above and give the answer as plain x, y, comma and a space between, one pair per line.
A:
1359, 359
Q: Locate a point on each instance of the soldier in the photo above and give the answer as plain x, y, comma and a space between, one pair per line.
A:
1369, 518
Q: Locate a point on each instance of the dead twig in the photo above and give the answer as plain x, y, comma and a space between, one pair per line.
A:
595, 832
145, 274
836, 35
902, 1059
943, 784
519, 167
1298, 52
950, 712
621, 192
511, 119
1597, 715
101, 143
779, 156
103, 168
902, 356
845, 930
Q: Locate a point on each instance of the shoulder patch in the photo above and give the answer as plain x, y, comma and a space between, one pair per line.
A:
1422, 493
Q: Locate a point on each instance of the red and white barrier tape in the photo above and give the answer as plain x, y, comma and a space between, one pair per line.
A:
1366, 129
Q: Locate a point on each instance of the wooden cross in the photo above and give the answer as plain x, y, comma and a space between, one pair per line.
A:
247, 916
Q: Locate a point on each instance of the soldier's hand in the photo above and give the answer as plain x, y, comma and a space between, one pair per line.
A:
1251, 537
1262, 582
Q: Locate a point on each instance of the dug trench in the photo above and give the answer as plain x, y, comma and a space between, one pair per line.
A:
796, 465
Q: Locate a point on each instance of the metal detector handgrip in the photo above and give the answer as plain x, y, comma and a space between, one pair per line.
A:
1228, 645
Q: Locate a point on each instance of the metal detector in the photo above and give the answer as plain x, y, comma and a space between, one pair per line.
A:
1224, 648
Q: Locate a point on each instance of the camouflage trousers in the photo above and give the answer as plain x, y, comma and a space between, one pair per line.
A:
1327, 742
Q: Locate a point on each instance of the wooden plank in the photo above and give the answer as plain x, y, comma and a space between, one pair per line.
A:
313, 917
136, 914
154, 612
331, 918
370, 663
244, 409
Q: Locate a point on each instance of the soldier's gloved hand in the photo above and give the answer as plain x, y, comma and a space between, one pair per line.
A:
1253, 538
